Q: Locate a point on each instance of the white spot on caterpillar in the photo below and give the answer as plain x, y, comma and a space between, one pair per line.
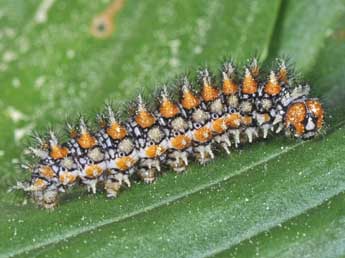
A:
41, 15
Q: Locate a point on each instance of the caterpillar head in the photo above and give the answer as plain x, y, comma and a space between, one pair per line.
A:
305, 118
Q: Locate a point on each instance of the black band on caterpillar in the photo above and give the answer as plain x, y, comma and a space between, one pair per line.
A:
242, 108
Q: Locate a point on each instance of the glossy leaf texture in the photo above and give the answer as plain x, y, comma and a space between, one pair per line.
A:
274, 198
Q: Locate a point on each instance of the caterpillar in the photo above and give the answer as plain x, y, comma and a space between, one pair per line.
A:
235, 108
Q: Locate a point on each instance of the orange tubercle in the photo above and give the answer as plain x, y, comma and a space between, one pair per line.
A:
180, 142
272, 87
249, 84
58, 152
189, 101
116, 131
39, 184
47, 172
209, 93
145, 119
154, 151
203, 134
125, 163
86, 141
247, 120
67, 178
168, 109
267, 117
219, 125
93, 171
229, 87
316, 108
233, 120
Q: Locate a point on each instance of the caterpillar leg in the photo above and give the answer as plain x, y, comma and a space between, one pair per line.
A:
251, 132
115, 182
112, 188
236, 136
224, 141
178, 161
147, 175
204, 153
47, 199
42, 194
91, 185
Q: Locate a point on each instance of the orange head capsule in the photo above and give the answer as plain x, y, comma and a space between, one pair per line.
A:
272, 87
168, 109
249, 85
295, 116
305, 118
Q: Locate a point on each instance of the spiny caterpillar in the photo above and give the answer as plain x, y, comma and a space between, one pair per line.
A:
246, 105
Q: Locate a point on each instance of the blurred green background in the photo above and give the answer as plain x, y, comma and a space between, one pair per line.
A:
277, 198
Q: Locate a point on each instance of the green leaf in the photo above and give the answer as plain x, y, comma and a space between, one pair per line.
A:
268, 199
